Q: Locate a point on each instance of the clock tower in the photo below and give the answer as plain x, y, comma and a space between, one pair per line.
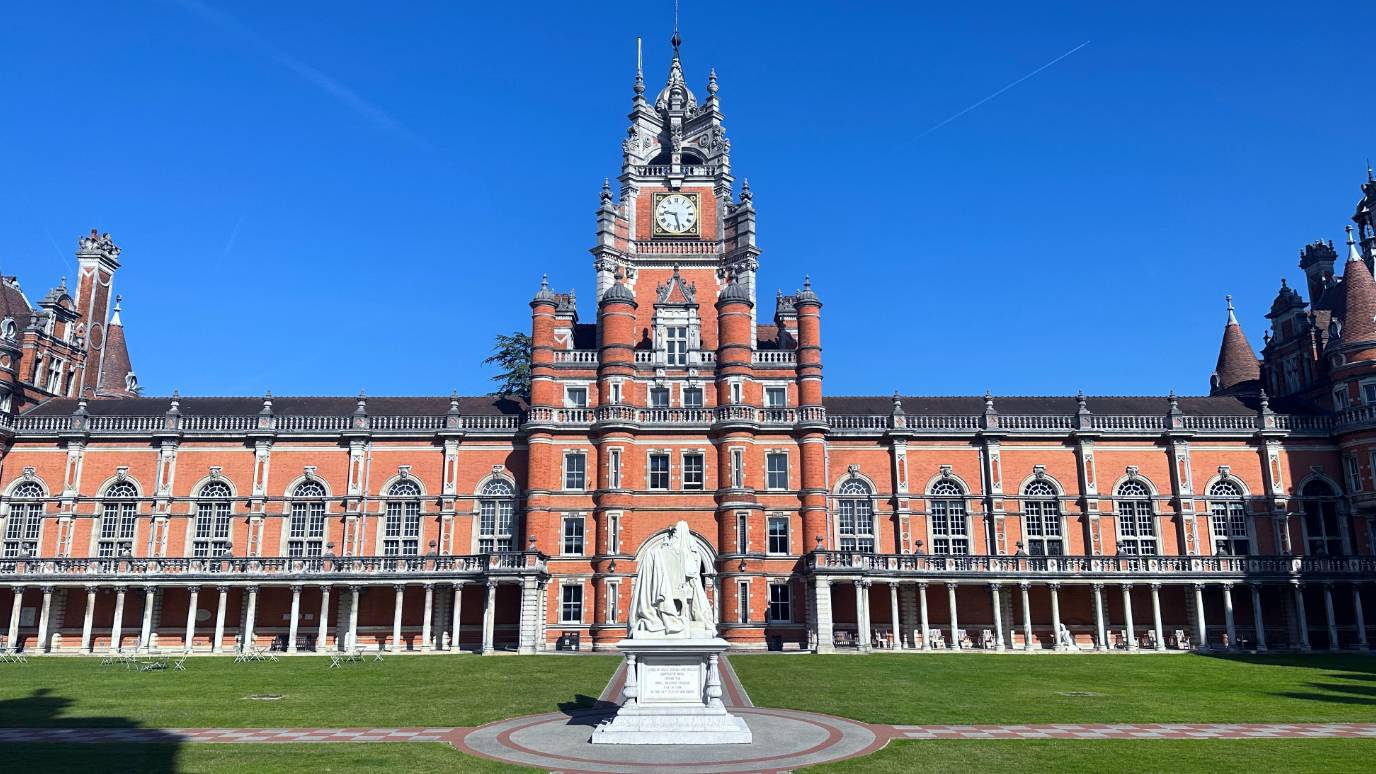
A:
676, 232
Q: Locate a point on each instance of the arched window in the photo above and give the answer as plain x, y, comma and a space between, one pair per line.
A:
950, 534
401, 532
1042, 520
119, 518
25, 522
856, 521
1322, 529
307, 529
214, 511
496, 516
1228, 519
1136, 524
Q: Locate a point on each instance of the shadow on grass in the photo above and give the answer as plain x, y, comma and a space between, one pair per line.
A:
41, 709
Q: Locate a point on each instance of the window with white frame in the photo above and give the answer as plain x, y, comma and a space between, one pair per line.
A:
693, 471
614, 468
55, 367
401, 532
735, 392
947, 523
575, 471
25, 523
496, 517
676, 346
692, 397
119, 520
1136, 523
306, 530
1353, 469
780, 603
1340, 400
613, 601
659, 471
743, 602
1042, 520
573, 535
613, 533
1322, 532
855, 516
776, 470
214, 511
659, 397
742, 532
776, 397
616, 392
738, 468
1228, 519
1369, 393
571, 605
576, 397
778, 535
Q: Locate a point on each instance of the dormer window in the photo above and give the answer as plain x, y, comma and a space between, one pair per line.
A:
676, 346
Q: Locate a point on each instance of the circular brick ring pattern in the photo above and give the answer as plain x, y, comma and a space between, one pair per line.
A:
783, 740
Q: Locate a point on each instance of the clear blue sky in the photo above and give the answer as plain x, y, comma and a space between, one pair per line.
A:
315, 198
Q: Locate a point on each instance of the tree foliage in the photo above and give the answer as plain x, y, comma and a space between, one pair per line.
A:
512, 355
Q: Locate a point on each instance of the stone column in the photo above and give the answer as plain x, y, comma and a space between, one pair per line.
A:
293, 625
490, 619
146, 632
429, 614
352, 641
893, 616
88, 620
1259, 625
43, 618
862, 616
528, 637
396, 616
1201, 625
1026, 617
1055, 615
194, 593
322, 640
1156, 616
251, 619
1332, 619
1127, 617
998, 615
1099, 627
1361, 618
458, 607
951, 601
13, 640
218, 646
926, 627
117, 626
1228, 616
1303, 619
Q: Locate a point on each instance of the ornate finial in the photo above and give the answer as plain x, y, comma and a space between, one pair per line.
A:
63, 285
988, 401
1265, 403
454, 402
618, 276
606, 191
676, 271
1368, 172
897, 403
676, 41
1080, 401
712, 81
1175, 404
1349, 235
807, 282
746, 195
1232, 318
544, 282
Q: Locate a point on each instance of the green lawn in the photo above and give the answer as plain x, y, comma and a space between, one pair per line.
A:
369, 758
1115, 756
211, 693
1012, 688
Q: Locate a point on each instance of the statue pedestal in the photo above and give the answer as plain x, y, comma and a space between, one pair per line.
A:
673, 696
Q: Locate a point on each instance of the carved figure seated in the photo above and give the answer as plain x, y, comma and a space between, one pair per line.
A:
1065, 640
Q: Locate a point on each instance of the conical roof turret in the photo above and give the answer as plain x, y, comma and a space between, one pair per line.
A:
1237, 369
1358, 312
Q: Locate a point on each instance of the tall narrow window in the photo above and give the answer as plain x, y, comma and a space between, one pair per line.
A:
692, 471
676, 346
1353, 468
659, 471
614, 468
743, 602
778, 535
1136, 524
692, 397
25, 520
307, 529
780, 603
1228, 519
213, 515
855, 517
738, 468
613, 601
496, 516
401, 533
949, 531
575, 471
573, 535
571, 605
119, 520
1042, 520
1321, 528
735, 392
777, 471
742, 533
613, 533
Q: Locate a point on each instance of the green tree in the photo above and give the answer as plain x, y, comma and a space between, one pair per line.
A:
512, 355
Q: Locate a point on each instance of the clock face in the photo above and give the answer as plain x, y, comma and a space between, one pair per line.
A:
676, 214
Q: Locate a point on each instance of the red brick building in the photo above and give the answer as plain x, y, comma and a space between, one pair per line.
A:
1235, 520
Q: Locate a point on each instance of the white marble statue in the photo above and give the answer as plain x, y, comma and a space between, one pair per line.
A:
1065, 639
669, 598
